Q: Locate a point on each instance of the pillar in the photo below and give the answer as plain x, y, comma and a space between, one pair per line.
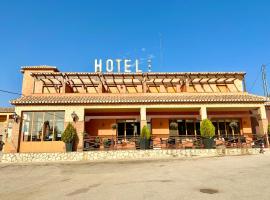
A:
78, 124
143, 120
15, 138
203, 112
263, 123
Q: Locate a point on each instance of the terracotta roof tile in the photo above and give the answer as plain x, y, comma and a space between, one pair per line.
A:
6, 109
39, 67
139, 98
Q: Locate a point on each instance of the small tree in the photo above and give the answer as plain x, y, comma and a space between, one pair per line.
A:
145, 134
70, 133
207, 129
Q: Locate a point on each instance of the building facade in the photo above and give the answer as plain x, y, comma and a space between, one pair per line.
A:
6, 123
120, 104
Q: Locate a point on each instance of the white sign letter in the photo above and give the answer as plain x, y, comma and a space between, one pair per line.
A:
137, 66
109, 65
98, 66
118, 64
127, 66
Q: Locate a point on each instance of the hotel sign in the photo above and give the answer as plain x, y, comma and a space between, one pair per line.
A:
111, 65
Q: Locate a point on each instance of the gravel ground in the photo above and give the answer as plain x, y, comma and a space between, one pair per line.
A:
234, 177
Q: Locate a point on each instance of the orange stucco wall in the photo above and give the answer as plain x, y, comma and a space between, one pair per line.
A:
100, 127
268, 115
160, 126
246, 126
49, 146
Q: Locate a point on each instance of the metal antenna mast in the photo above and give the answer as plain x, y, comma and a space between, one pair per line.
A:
149, 64
265, 86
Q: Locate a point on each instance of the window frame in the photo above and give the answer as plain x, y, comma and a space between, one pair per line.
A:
31, 123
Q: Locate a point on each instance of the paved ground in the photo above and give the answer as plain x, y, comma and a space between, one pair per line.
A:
238, 177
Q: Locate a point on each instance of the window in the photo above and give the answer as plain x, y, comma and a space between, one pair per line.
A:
113, 89
222, 88
190, 127
42, 126
153, 89
187, 127
171, 89
224, 127
131, 89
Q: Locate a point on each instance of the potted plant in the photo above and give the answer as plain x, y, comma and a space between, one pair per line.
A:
145, 138
97, 143
107, 143
68, 136
207, 130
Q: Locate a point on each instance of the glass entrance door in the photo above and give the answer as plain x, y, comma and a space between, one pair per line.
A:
127, 128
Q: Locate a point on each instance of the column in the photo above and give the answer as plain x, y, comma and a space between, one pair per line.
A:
203, 112
263, 123
78, 124
15, 138
143, 120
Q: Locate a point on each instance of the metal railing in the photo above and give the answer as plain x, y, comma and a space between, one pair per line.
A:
170, 142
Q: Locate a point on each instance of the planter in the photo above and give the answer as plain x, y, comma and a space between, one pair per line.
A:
69, 147
208, 143
107, 143
174, 132
144, 143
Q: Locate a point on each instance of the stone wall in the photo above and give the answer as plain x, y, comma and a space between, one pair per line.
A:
122, 155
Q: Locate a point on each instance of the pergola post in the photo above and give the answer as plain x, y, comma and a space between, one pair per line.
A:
203, 112
78, 124
143, 120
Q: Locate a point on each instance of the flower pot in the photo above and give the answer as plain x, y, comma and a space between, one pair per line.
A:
144, 143
208, 143
69, 147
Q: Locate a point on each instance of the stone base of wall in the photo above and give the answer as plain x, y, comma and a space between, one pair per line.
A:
122, 155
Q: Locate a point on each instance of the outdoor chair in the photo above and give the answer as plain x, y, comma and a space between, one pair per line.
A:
187, 143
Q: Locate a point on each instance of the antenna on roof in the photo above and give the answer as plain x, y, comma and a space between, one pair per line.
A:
265, 86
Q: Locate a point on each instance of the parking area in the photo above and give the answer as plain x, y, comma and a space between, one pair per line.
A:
241, 177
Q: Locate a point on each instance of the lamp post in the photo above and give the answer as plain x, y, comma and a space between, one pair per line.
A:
266, 93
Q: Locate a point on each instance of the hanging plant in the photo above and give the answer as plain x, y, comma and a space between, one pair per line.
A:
234, 126
114, 126
173, 126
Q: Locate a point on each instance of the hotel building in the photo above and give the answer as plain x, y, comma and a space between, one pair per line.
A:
94, 102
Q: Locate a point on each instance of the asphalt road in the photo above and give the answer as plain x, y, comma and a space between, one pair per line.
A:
235, 177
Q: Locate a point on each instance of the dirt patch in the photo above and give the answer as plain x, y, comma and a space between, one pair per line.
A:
82, 190
208, 191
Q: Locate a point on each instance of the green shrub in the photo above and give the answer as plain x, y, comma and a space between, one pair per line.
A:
207, 129
70, 133
269, 129
145, 134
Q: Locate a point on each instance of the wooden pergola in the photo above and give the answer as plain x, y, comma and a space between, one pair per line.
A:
101, 81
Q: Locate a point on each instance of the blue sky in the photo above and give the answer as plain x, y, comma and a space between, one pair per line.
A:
202, 35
